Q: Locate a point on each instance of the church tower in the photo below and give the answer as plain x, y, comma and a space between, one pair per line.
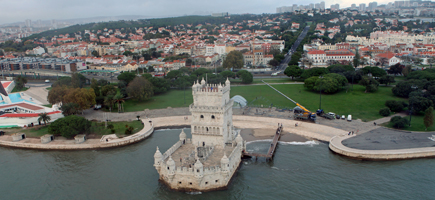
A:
211, 114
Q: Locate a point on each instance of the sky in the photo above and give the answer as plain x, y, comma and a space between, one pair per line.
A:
19, 10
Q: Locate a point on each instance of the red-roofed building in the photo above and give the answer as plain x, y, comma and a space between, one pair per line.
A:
390, 56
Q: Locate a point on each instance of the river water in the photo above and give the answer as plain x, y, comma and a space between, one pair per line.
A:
299, 171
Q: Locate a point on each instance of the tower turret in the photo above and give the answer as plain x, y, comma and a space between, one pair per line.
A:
182, 135
199, 169
157, 159
225, 163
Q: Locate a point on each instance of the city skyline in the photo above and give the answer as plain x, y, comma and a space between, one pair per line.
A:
21, 10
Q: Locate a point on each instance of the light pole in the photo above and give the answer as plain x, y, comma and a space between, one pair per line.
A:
410, 110
321, 83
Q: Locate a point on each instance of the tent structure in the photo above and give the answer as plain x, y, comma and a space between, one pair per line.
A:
240, 100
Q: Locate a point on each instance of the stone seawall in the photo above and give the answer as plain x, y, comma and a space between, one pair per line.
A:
336, 146
96, 144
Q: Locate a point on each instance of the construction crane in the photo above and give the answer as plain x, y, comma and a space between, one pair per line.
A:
300, 112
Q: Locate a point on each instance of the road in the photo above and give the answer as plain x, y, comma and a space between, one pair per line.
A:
286, 60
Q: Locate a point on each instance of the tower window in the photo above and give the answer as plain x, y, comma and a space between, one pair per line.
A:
212, 117
202, 116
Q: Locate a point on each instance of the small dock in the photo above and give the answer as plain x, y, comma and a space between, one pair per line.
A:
272, 147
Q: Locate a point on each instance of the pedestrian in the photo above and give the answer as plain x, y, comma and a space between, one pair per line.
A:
352, 132
181, 159
374, 123
348, 133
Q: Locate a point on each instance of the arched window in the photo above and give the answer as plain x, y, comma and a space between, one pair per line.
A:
202, 116
212, 117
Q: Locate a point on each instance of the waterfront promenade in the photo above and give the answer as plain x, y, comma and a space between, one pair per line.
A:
384, 144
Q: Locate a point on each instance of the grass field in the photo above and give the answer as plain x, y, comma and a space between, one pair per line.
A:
17, 90
96, 128
416, 124
360, 105
269, 80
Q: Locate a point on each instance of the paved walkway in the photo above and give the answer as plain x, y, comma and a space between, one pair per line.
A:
337, 146
62, 144
38, 92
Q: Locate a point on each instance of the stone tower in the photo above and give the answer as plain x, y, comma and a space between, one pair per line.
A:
211, 114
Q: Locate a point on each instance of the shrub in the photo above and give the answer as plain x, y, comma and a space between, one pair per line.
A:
394, 106
69, 126
399, 122
384, 112
129, 130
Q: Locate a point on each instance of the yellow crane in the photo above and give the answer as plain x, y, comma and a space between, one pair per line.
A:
300, 112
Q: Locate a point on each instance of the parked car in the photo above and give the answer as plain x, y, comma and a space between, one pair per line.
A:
47, 81
2, 132
337, 116
349, 118
97, 107
343, 117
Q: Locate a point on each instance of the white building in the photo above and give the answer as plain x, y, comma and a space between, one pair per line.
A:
321, 58
208, 160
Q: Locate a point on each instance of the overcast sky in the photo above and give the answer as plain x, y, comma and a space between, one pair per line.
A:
20, 10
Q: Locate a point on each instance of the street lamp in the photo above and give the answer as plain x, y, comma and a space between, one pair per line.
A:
321, 83
410, 110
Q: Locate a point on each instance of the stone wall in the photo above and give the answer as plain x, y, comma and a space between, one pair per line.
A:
336, 146
144, 133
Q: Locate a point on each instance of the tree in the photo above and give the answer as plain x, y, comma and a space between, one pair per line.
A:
95, 53
127, 77
245, 76
234, 60
396, 69
293, 71
20, 81
227, 74
77, 80
69, 126
406, 70
387, 79
428, 117
315, 71
69, 108
56, 94
399, 122
44, 117
356, 60
395, 106
273, 63
419, 104
108, 89
140, 89
159, 85
384, 112
370, 83
85, 98
119, 99
173, 74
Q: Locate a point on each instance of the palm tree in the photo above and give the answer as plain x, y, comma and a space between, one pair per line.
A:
118, 98
44, 117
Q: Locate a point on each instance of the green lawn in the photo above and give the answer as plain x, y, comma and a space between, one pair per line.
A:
96, 128
360, 105
268, 80
48, 105
17, 90
173, 98
49, 88
416, 124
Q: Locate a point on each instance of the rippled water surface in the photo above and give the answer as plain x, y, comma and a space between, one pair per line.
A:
299, 171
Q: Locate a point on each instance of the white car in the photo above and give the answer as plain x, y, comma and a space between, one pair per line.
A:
343, 117
47, 81
349, 118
